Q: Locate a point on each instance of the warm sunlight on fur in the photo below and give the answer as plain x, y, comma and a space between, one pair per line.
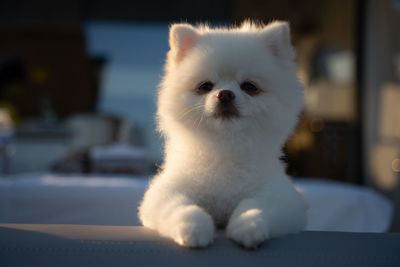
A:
227, 103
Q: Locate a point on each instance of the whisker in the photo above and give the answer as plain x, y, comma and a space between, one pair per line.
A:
190, 109
194, 123
187, 112
201, 119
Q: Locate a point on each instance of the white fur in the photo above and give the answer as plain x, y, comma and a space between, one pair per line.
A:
226, 172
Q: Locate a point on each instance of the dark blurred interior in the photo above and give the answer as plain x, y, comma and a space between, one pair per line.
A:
46, 71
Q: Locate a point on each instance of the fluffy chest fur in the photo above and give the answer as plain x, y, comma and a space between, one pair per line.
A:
217, 183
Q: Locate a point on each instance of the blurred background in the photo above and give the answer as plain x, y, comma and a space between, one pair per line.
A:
78, 82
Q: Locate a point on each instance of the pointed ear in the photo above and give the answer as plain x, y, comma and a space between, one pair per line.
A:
182, 37
276, 36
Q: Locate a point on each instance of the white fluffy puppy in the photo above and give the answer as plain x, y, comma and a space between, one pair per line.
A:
227, 103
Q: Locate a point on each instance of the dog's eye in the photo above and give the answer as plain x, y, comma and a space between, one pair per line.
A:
250, 88
205, 87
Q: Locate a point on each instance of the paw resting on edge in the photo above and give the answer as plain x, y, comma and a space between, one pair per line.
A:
249, 229
195, 229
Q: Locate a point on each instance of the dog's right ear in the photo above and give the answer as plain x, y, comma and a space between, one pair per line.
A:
182, 37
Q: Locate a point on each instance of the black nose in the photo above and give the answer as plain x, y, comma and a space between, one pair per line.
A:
225, 96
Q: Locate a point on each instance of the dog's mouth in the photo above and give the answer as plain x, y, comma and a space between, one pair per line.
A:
226, 111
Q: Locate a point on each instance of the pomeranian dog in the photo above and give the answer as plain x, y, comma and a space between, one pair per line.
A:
227, 103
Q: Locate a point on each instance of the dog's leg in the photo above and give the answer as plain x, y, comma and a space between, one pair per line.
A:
277, 210
177, 217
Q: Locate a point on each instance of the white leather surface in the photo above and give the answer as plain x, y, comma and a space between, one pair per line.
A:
111, 200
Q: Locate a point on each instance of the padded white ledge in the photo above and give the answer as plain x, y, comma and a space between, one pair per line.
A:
81, 245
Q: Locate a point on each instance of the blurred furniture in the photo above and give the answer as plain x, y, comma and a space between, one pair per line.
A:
325, 142
385, 155
82, 245
38, 144
113, 200
380, 80
66, 146
119, 158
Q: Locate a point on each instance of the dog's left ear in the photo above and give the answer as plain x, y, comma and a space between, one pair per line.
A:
182, 37
276, 36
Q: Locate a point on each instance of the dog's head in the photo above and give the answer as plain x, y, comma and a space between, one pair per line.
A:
230, 79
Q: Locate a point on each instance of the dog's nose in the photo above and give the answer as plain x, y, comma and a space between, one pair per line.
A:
225, 96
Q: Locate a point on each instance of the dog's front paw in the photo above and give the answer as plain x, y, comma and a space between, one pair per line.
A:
248, 229
195, 229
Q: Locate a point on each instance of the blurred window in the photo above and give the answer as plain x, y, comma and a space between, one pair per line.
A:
133, 56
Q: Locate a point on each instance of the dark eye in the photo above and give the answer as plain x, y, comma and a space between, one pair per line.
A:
205, 87
250, 88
